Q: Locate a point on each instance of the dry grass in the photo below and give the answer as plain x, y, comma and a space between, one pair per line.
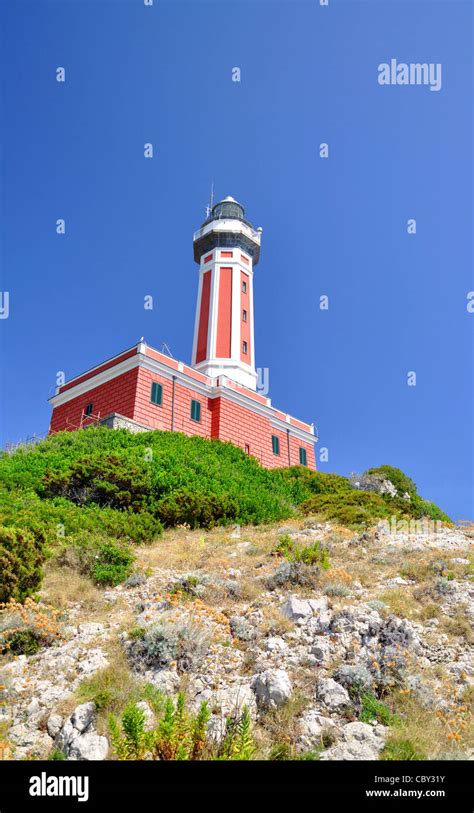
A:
63, 586
274, 622
459, 625
280, 727
111, 688
433, 734
404, 603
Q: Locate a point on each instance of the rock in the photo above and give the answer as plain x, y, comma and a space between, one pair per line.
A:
29, 742
332, 694
89, 746
90, 629
54, 725
65, 736
83, 716
321, 649
77, 739
92, 661
360, 741
398, 581
296, 608
272, 688
33, 707
319, 605
149, 716
275, 644
313, 726
167, 680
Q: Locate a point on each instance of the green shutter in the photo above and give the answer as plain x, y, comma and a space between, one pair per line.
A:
275, 444
195, 411
302, 456
156, 393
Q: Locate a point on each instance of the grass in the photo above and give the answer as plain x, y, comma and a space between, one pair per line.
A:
63, 586
459, 625
280, 726
398, 748
418, 732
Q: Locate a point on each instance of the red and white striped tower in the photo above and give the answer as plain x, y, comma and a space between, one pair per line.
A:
227, 248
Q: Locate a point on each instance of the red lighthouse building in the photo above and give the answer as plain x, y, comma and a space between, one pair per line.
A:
216, 396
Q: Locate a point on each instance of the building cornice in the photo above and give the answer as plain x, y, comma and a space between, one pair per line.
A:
189, 382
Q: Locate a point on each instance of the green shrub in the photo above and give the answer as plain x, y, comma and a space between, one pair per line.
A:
109, 481
401, 481
116, 486
197, 509
105, 561
22, 553
313, 554
22, 642
373, 709
354, 509
113, 564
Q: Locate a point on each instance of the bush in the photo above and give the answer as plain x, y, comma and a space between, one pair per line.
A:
116, 486
197, 509
105, 561
25, 628
113, 564
337, 590
401, 481
308, 554
22, 553
164, 643
297, 573
109, 481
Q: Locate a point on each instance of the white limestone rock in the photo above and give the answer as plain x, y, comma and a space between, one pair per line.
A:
359, 741
272, 688
332, 694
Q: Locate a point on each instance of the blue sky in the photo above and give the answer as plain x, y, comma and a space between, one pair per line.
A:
335, 227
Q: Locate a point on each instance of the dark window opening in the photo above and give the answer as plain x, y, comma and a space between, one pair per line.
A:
275, 444
195, 411
156, 395
88, 409
303, 458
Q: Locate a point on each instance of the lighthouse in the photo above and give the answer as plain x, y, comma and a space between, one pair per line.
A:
142, 388
227, 248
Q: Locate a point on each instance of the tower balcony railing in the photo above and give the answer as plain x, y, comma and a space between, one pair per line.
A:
224, 225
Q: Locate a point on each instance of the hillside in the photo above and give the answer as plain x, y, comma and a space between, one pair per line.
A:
166, 597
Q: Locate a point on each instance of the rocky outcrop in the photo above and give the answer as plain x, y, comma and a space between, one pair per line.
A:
77, 737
